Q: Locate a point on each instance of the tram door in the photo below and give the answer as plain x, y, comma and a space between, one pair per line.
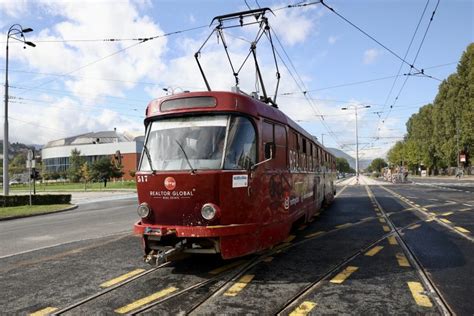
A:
275, 178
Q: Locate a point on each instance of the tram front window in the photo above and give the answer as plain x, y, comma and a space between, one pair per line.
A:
198, 142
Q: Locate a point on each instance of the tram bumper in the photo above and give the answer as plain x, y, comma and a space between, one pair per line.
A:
229, 240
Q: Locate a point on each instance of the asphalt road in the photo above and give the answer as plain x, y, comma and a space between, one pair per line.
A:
378, 249
89, 220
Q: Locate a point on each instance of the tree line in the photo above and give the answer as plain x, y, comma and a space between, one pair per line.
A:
443, 130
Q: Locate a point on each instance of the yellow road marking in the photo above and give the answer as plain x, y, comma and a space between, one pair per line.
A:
373, 251
44, 311
462, 230
341, 277
424, 209
382, 220
122, 278
278, 248
343, 225
414, 226
392, 240
465, 209
386, 228
289, 238
417, 205
314, 234
432, 213
226, 267
268, 259
430, 220
402, 260
444, 220
239, 285
447, 214
303, 309
417, 292
134, 305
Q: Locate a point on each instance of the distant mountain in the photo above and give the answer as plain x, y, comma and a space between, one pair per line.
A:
363, 163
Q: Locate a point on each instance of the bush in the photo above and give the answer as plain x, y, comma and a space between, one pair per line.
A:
43, 199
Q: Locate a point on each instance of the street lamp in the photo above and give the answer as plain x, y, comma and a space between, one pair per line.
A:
14, 31
355, 108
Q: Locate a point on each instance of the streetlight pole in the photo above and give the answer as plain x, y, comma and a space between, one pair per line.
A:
355, 108
14, 30
322, 138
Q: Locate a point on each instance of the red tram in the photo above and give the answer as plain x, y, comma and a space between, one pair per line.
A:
222, 172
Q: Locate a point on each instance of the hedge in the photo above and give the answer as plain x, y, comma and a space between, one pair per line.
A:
42, 199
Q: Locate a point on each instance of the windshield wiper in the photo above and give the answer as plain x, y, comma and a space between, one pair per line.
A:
186, 156
147, 153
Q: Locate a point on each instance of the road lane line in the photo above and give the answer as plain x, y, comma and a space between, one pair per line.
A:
402, 260
227, 267
392, 240
414, 226
314, 234
417, 291
122, 278
342, 276
447, 214
372, 252
462, 229
444, 220
303, 227
465, 209
382, 220
44, 311
239, 285
289, 238
303, 309
146, 300
385, 228
467, 204
343, 225
268, 259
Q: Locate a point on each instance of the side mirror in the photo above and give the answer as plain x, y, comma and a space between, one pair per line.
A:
269, 150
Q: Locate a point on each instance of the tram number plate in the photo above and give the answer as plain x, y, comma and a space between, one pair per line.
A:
240, 181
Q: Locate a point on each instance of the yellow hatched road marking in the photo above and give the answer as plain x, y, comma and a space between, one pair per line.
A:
344, 225
386, 228
402, 260
392, 240
447, 214
341, 277
414, 226
303, 309
134, 305
122, 278
227, 267
268, 259
289, 238
444, 220
430, 220
382, 220
417, 292
279, 247
373, 251
432, 213
44, 311
462, 229
239, 285
465, 209
314, 234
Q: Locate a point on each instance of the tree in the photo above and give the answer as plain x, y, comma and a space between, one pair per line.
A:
18, 164
85, 174
75, 164
104, 169
377, 165
342, 165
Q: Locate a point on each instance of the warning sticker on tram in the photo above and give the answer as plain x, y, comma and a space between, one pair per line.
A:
240, 181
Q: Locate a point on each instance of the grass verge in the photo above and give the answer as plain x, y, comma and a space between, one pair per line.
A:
95, 186
26, 210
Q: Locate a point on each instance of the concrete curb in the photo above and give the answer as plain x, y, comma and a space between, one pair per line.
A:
70, 208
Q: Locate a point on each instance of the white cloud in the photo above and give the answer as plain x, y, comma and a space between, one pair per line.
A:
333, 39
370, 56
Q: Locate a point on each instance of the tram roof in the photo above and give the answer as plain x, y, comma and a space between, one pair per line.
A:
226, 101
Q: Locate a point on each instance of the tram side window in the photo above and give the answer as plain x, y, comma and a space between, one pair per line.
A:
293, 146
281, 145
241, 152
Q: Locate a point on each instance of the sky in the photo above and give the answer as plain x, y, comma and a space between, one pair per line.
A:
77, 80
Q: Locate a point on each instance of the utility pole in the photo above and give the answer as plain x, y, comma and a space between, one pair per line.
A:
14, 30
322, 138
355, 108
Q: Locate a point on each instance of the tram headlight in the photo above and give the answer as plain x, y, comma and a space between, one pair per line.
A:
143, 210
208, 211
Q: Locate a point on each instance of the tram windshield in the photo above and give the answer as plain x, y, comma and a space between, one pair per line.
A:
199, 142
